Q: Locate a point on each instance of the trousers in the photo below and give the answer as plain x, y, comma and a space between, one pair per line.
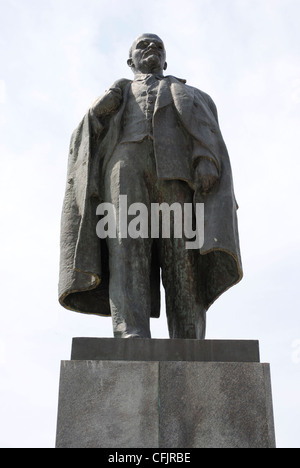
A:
131, 171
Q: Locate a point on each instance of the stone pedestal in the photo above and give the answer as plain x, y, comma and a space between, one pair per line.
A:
118, 393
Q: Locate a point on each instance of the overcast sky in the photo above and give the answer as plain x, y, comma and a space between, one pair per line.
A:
57, 57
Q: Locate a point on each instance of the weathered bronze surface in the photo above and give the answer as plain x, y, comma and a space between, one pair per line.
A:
156, 140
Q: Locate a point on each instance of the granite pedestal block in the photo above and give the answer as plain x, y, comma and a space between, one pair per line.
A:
164, 394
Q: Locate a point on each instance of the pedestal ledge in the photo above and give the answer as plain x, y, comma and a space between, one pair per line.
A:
114, 349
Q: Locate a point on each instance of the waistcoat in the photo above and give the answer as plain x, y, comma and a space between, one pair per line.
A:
137, 119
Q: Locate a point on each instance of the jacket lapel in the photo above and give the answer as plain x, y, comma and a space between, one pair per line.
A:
173, 91
183, 97
164, 96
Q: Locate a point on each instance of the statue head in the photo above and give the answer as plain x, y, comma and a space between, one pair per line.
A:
147, 55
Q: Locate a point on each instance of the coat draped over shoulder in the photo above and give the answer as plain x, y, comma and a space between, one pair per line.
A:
84, 265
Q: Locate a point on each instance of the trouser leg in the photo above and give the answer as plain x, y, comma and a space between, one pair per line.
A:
181, 276
129, 299
129, 259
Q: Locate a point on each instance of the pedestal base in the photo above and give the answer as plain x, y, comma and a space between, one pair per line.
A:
163, 403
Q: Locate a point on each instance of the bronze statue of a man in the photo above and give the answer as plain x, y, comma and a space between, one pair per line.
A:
154, 140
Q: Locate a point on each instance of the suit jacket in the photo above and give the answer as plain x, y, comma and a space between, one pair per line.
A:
83, 283
179, 109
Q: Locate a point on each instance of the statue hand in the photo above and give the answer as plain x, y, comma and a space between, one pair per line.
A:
206, 175
109, 102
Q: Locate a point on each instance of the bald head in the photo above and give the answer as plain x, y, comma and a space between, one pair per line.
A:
147, 54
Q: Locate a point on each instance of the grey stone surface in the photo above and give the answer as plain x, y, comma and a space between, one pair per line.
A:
165, 404
165, 350
215, 405
108, 404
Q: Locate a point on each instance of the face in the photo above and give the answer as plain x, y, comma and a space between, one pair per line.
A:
148, 54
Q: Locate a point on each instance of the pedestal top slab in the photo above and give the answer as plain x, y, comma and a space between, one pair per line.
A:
117, 349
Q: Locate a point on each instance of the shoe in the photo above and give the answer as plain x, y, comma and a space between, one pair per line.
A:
131, 335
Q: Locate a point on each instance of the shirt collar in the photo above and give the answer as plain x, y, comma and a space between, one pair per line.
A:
144, 77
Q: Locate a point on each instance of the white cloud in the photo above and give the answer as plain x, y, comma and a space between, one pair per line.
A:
2, 353
2, 92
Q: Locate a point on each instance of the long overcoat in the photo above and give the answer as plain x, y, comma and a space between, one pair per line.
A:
84, 265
